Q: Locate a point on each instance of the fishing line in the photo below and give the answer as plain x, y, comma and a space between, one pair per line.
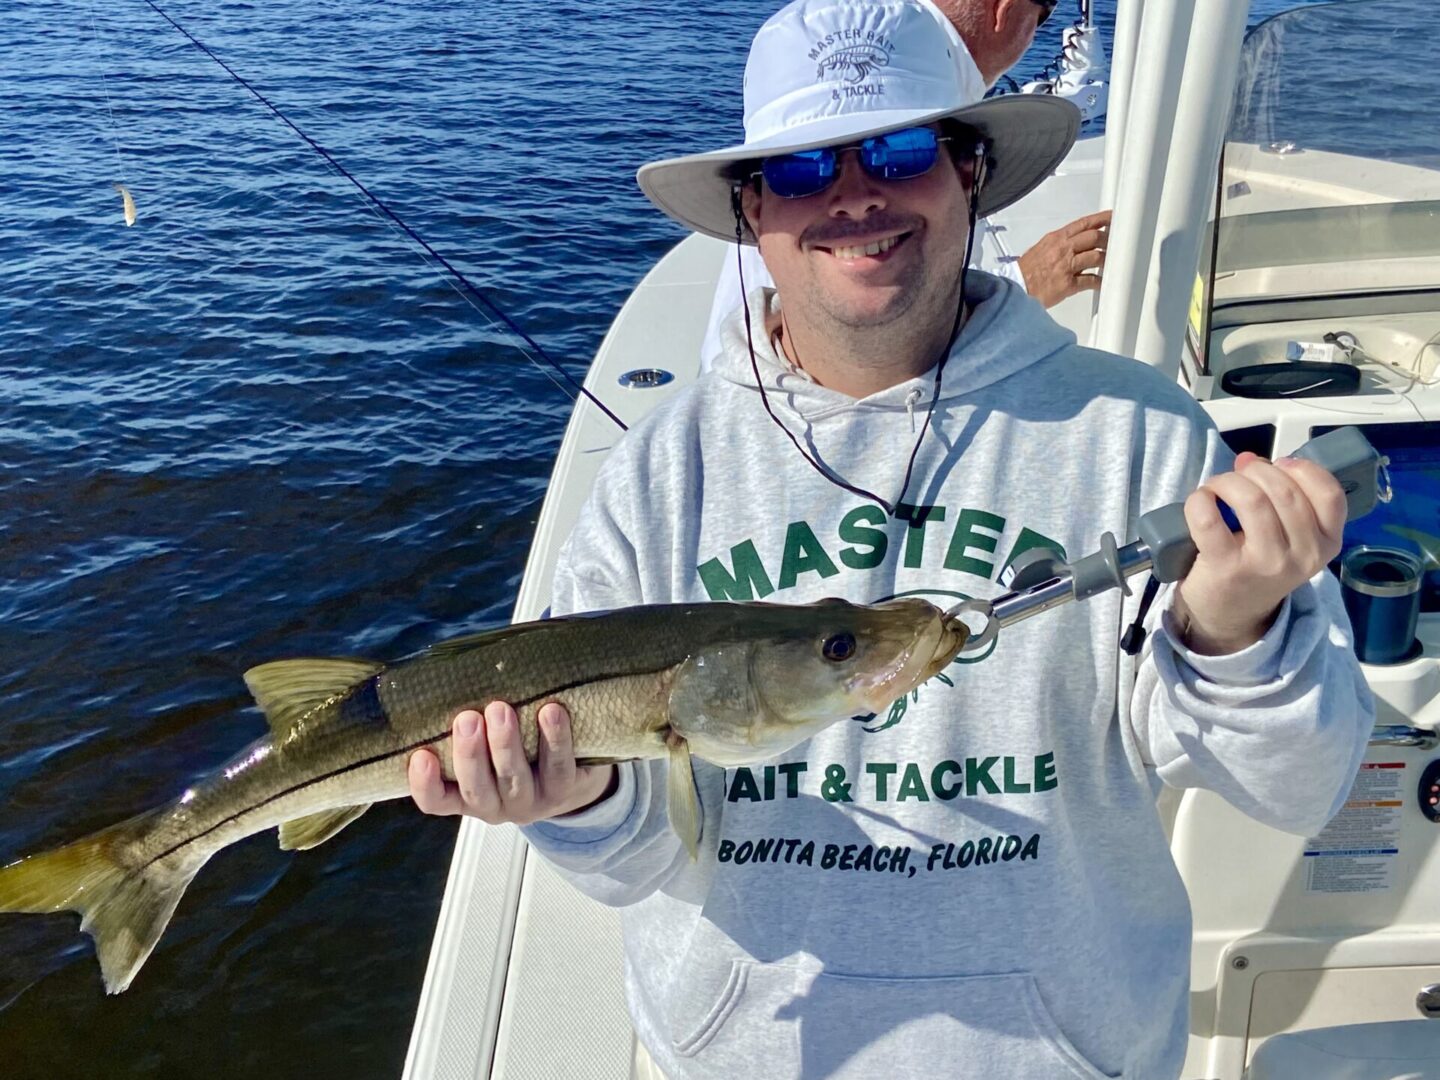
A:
378, 203
388, 224
182, 244
105, 85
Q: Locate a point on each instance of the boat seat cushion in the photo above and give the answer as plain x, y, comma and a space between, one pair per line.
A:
1400, 1050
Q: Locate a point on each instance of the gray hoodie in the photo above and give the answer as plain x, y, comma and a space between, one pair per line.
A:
974, 883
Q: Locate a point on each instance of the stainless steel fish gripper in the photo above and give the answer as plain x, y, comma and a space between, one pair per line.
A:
1041, 579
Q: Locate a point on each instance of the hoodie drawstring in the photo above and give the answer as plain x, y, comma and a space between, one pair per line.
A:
897, 509
911, 400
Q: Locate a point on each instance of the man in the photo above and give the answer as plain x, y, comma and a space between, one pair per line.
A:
986, 38
976, 883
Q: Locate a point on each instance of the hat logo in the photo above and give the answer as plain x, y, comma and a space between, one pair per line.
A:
854, 64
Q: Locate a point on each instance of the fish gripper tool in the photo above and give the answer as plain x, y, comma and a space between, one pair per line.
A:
1041, 580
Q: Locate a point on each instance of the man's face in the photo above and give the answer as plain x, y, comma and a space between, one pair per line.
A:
866, 252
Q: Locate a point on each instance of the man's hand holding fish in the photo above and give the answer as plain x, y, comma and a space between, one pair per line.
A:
495, 781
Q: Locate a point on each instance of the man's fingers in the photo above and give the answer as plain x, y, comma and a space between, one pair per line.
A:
1207, 528
514, 780
1068, 260
557, 751
474, 775
1326, 497
1088, 241
1292, 505
1089, 223
428, 788
1258, 518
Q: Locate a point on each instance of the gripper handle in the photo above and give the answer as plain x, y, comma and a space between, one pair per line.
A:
1345, 453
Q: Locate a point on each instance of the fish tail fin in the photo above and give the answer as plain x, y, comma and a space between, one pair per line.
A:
124, 908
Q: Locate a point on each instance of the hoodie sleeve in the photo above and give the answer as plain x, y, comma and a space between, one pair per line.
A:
1252, 725
620, 850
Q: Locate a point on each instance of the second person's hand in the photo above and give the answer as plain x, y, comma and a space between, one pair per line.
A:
1068, 260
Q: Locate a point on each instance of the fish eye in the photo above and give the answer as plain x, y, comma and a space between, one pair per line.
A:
839, 647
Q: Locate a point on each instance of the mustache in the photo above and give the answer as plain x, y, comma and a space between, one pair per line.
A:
836, 233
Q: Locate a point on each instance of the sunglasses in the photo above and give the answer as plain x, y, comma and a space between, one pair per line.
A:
897, 155
1049, 6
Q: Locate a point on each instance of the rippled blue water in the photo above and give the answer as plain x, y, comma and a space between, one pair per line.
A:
257, 424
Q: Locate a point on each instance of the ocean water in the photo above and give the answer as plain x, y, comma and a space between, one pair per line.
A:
260, 424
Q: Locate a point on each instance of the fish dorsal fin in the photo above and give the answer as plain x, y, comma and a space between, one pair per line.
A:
308, 832
287, 690
484, 637
546, 625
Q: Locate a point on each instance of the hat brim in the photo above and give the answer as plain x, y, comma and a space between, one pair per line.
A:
1029, 135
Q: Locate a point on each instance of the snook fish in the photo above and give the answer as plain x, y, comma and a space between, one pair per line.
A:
731, 683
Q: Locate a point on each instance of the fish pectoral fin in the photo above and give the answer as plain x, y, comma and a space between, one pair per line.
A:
683, 804
287, 690
301, 834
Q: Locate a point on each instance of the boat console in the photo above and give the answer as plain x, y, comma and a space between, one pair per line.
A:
1320, 956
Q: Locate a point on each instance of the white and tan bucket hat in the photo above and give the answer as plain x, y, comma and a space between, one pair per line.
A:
824, 72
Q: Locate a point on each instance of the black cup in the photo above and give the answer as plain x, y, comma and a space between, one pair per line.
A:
1381, 587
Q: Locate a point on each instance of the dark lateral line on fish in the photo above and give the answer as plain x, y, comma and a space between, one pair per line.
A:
410, 749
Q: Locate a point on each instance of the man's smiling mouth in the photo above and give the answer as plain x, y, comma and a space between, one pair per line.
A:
872, 249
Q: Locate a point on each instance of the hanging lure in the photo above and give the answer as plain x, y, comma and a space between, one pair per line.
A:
129, 202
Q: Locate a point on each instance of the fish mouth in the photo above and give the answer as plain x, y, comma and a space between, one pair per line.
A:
932, 650
952, 635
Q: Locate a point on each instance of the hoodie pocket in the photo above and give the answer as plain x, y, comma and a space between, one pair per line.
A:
775, 1020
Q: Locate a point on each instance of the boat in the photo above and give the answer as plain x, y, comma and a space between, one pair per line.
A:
1313, 956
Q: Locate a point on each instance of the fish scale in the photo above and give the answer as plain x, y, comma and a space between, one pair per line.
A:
604, 711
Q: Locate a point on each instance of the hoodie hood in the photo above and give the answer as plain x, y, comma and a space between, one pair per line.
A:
1007, 331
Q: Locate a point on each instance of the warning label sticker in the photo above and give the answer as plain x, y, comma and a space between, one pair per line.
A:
1356, 852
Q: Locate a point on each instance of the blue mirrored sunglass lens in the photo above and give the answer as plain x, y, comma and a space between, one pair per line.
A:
794, 175
900, 155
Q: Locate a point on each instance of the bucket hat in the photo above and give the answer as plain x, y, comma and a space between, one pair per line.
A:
829, 72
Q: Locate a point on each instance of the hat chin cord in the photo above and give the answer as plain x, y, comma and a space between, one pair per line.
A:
899, 509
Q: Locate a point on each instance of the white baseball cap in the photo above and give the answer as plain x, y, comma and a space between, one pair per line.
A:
824, 72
